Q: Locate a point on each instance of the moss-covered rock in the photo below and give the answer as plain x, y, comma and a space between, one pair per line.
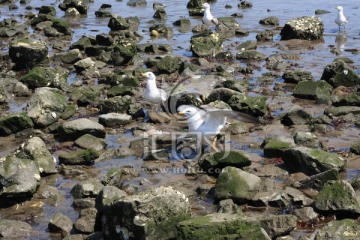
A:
339, 73
236, 184
37, 77
275, 147
79, 157
116, 104
89, 141
341, 110
169, 64
213, 163
80, 5
319, 90
273, 21
297, 76
206, 46
250, 55
296, 116
312, 161
351, 99
14, 123
26, 54
255, 106
220, 226
123, 54
346, 229
221, 94
337, 196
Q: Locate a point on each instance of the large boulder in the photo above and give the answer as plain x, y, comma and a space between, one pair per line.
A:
312, 161
26, 54
14, 122
20, 178
338, 197
308, 28
149, 215
46, 106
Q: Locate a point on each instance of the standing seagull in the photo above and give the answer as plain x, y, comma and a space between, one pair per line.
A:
340, 18
152, 93
208, 18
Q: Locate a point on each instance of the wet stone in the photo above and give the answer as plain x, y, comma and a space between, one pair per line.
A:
308, 28
296, 116
114, 119
76, 128
86, 221
79, 157
342, 229
60, 223
86, 189
12, 229
89, 141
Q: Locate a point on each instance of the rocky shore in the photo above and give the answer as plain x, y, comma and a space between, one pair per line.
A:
83, 156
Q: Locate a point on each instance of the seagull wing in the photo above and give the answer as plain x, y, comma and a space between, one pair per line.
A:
239, 116
215, 21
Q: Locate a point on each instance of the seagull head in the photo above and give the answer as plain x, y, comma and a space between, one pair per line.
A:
187, 110
206, 6
149, 76
339, 8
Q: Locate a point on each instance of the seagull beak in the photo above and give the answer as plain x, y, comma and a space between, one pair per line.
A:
142, 74
181, 113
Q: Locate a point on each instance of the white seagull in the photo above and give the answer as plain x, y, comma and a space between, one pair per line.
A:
208, 18
210, 122
340, 18
152, 93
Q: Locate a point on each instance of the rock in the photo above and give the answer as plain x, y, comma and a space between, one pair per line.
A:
338, 197
250, 55
255, 106
35, 149
78, 127
80, 5
160, 14
79, 157
72, 56
89, 188
86, 221
82, 43
26, 54
342, 110
169, 64
265, 36
306, 214
13, 229
39, 77
72, 13
275, 147
245, 4
247, 45
152, 214
122, 55
45, 106
351, 99
60, 223
222, 94
158, 117
84, 64
182, 23
120, 90
236, 184
297, 76
83, 203
116, 104
88, 141
214, 163
312, 161
278, 225
14, 123
355, 182
51, 194
120, 78
221, 226
307, 28
272, 21
114, 119
346, 229
20, 178
319, 90
339, 73
47, 10
107, 196
296, 116
206, 46
228, 206
61, 26
136, 3
317, 181
307, 139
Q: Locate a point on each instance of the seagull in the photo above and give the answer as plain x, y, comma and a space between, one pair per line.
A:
210, 122
340, 18
152, 93
208, 18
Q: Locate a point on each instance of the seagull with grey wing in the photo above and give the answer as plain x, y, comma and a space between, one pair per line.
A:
152, 93
210, 122
340, 20
208, 18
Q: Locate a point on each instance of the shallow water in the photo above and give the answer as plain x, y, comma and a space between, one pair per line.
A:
314, 60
